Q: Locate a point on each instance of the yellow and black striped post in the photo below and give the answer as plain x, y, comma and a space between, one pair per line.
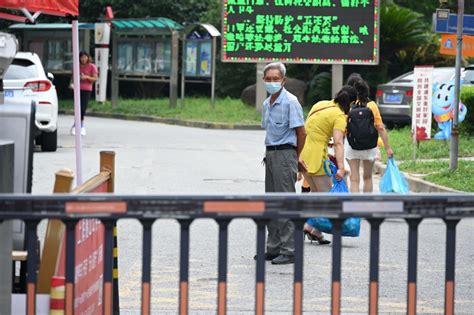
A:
116, 274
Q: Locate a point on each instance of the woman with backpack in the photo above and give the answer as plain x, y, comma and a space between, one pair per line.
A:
325, 120
364, 127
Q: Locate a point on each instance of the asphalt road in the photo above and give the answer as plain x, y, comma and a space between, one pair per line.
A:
162, 159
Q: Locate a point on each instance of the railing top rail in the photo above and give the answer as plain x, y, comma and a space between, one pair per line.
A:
263, 205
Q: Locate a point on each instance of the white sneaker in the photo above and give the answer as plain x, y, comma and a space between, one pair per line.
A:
73, 130
83, 131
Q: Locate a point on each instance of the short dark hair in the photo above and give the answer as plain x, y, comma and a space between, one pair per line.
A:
353, 78
84, 53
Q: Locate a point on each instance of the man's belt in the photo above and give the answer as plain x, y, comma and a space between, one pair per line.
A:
281, 147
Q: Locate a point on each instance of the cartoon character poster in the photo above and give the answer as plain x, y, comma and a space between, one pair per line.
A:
443, 109
205, 60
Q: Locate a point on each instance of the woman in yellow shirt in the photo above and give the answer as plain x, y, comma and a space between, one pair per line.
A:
325, 120
354, 157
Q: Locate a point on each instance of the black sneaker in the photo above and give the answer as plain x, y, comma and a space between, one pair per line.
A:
283, 260
268, 256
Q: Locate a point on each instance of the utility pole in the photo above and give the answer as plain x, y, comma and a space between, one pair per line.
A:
453, 160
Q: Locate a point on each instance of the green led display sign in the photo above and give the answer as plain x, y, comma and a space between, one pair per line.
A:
301, 31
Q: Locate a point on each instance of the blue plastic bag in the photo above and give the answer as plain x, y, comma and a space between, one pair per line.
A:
351, 226
393, 181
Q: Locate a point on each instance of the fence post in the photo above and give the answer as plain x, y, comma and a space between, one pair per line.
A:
107, 164
336, 266
299, 260
222, 268
31, 265
70, 264
374, 265
184, 267
260, 277
53, 236
108, 265
412, 264
450, 265
146, 266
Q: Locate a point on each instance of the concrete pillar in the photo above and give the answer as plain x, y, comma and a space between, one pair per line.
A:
6, 241
261, 94
337, 79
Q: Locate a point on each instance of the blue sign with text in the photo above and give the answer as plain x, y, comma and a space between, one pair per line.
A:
450, 25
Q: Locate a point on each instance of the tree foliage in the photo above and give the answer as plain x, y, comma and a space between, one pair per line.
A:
180, 11
406, 39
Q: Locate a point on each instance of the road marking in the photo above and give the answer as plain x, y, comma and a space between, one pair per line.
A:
234, 206
372, 206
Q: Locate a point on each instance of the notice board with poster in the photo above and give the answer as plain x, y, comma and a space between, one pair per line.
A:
198, 56
422, 94
301, 31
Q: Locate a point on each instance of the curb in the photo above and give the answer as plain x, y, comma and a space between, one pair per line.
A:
169, 121
417, 184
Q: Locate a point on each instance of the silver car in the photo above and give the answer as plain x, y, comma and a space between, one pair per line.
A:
395, 97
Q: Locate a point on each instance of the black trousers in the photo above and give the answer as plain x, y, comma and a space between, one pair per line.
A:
85, 97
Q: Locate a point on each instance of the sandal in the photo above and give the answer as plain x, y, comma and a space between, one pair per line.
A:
320, 239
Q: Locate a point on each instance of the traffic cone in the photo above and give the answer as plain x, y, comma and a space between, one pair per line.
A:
57, 297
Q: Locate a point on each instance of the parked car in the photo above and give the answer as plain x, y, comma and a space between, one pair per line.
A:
395, 97
25, 81
468, 76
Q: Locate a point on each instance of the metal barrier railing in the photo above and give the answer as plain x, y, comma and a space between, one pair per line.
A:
261, 208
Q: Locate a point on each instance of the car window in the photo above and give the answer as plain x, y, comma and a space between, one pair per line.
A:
21, 69
442, 75
468, 76
406, 78
439, 75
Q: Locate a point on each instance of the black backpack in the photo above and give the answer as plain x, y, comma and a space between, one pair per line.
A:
361, 132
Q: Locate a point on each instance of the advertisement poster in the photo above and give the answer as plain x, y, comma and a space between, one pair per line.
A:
191, 58
422, 93
205, 59
162, 62
143, 63
125, 57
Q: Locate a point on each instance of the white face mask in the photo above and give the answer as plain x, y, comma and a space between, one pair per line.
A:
272, 87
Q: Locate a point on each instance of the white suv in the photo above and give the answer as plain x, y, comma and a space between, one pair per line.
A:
24, 81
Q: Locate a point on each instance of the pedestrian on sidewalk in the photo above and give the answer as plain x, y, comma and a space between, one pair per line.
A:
367, 156
88, 75
282, 118
325, 120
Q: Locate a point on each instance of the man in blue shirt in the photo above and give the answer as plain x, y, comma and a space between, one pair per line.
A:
282, 118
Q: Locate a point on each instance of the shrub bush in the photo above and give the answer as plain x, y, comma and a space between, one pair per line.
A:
467, 97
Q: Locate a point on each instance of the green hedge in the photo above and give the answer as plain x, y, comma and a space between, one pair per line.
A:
467, 97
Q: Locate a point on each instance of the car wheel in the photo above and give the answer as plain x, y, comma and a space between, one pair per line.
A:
38, 139
49, 141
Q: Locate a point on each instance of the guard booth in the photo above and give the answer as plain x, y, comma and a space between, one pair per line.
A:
16, 170
145, 50
199, 57
52, 43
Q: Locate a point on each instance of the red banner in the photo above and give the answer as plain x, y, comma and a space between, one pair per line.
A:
89, 264
53, 7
